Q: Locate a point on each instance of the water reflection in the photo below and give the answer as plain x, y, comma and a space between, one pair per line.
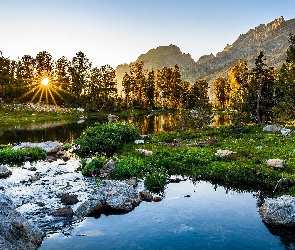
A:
188, 217
68, 132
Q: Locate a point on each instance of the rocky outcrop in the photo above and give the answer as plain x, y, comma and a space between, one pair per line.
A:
49, 147
278, 211
113, 196
15, 231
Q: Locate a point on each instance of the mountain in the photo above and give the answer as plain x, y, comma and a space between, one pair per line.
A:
272, 39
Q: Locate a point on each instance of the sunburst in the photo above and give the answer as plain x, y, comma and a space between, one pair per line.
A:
45, 88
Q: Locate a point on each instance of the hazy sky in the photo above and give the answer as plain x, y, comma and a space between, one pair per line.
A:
118, 31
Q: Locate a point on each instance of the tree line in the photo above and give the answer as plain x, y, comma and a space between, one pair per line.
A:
259, 95
76, 83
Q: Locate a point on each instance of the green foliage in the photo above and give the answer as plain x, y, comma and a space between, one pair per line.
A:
107, 138
155, 181
92, 167
128, 167
8, 155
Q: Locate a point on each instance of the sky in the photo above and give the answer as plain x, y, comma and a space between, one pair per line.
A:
118, 31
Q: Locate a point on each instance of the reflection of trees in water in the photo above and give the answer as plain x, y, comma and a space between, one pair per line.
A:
222, 120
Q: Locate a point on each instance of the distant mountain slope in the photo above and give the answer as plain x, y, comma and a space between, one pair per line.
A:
271, 38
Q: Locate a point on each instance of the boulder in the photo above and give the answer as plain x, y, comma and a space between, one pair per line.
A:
69, 199
15, 231
144, 152
278, 211
50, 147
114, 196
64, 212
275, 163
272, 128
4, 172
225, 153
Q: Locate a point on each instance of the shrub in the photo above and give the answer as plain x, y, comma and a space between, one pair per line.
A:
93, 166
9, 155
108, 138
128, 167
155, 181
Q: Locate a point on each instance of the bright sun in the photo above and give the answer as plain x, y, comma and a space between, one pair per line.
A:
45, 81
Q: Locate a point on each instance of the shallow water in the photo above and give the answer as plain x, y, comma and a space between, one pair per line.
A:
208, 219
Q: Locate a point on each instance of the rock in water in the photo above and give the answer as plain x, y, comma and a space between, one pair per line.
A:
115, 196
15, 231
50, 147
278, 211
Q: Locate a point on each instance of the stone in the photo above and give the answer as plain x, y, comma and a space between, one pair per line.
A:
146, 196
50, 147
225, 153
144, 152
15, 230
278, 211
64, 212
286, 131
211, 141
114, 196
157, 199
108, 168
275, 163
272, 128
139, 141
4, 172
69, 199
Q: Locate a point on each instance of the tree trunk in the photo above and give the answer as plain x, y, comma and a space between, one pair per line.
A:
258, 103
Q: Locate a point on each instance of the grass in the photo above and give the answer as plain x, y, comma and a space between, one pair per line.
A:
246, 169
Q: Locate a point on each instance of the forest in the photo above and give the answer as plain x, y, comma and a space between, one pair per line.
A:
259, 95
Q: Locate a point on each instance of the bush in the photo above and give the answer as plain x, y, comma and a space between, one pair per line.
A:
107, 138
93, 166
155, 181
128, 167
9, 155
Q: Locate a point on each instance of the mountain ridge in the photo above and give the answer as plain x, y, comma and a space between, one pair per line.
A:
271, 38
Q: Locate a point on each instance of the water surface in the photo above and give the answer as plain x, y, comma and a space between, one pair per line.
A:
209, 219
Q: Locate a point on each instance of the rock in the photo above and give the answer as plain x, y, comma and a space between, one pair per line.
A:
272, 128
146, 196
69, 199
64, 212
139, 141
108, 168
4, 172
211, 141
132, 181
286, 131
157, 199
15, 231
89, 208
144, 152
115, 196
112, 117
225, 153
278, 211
275, 163
49, 146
